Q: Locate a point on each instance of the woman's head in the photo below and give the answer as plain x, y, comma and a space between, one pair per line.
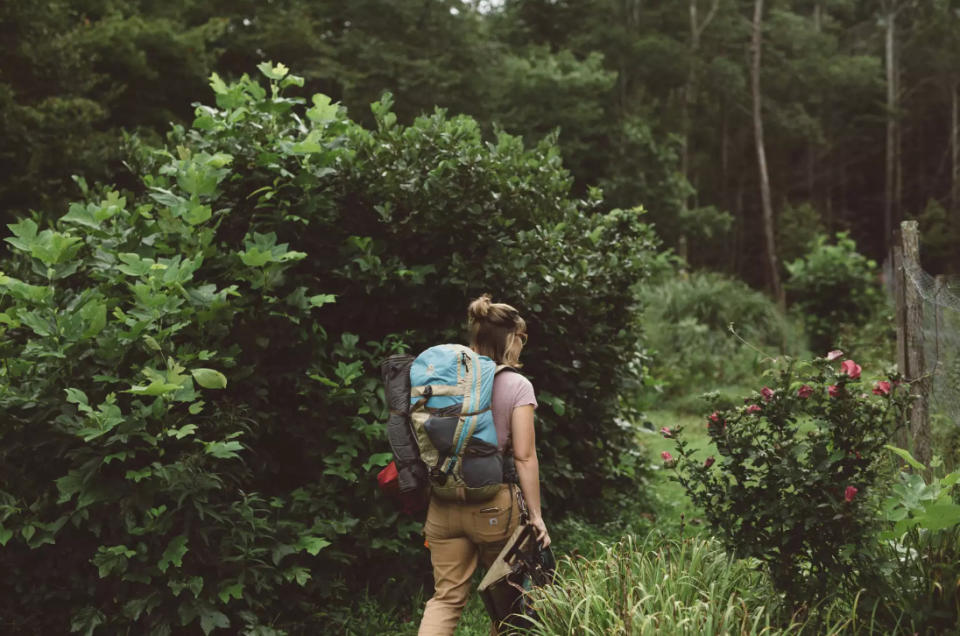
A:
496, 330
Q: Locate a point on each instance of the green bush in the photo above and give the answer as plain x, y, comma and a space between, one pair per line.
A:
687, 323
919, 587
192, 411
832, 287
793, 483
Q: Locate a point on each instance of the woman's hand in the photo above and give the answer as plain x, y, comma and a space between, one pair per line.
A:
541, 529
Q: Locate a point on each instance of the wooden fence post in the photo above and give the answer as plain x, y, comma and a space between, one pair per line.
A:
899, 284
913, 341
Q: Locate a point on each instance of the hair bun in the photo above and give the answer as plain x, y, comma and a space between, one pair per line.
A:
480, 308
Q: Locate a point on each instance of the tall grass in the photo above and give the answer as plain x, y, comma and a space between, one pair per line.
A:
658, 586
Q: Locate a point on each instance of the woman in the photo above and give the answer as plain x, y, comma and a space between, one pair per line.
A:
461, 534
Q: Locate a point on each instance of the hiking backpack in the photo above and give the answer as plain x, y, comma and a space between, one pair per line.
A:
441, 426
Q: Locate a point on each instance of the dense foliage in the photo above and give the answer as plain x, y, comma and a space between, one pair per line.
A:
709, 330
651, 99
833, 287
193, 418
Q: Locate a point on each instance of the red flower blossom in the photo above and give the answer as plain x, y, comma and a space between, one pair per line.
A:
667, 457
881, 388
805, 391
753, 408
833, 355
666, 432
849, 493
833, 390
851, 368
708, 462
767, 393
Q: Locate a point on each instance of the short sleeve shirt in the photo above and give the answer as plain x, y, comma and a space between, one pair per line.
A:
510, 390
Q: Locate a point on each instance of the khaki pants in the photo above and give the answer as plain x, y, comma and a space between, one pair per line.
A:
460, 535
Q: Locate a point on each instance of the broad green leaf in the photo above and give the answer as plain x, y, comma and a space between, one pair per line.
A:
87, 620
322, 299
69, 485
299, 574
5, 536
312, 545
218, 85
197, 214
211, 619
94, 314
173, 555
137, 476
157, 387
37, 323
224, 450
254, 257
27, 531
950, 480
76, 396
378, 459
209, 378
312, 143
183, 431
322, 111
937, 516
24, 235
277, 72
227, 592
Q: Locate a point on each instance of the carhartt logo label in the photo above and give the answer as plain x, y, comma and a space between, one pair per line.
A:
493, 521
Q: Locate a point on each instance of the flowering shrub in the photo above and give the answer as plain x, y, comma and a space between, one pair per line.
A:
793, 484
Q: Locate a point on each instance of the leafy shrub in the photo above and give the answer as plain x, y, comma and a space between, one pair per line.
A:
192, 413
919, 590
687, 327
833, 286
793, 483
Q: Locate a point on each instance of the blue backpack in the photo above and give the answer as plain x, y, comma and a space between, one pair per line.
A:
449, 420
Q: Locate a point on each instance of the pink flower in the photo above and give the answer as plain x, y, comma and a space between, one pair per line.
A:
715, 417
851, 368
666, 432
833, 355
833, 390
753, 408
849, 493
767, 393
708, 462
667, 457
881, 388
805, 391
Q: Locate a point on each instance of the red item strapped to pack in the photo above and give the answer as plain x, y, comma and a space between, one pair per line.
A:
409, 503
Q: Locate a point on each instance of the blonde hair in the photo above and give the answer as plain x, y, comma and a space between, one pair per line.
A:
493, 330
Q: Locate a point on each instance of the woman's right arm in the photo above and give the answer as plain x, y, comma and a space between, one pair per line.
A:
528, 466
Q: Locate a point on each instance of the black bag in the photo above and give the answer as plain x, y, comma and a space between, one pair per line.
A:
520, 566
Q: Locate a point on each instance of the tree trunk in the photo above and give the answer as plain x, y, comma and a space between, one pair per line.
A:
954, 147
768, 230
891, 153
690, 88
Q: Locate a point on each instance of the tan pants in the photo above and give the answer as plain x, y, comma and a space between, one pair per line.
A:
459, 535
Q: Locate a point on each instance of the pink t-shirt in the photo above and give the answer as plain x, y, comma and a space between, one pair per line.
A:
510, 390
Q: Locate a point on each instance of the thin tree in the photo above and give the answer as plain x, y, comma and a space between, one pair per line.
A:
768, 230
